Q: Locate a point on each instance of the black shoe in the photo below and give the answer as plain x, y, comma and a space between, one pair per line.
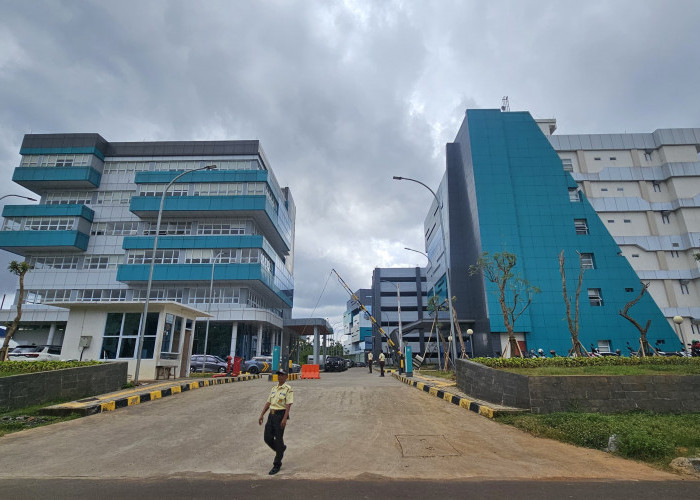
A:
275, 470
284, 449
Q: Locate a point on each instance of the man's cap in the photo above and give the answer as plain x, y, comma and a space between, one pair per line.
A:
281, 372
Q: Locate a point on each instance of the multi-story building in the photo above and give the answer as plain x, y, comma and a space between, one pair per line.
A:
399, 299
90, 241
505, 190
358, 326
646, 190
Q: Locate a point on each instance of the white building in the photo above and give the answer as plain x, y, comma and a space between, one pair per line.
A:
646, 190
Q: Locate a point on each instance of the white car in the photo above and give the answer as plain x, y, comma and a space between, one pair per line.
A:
36, 353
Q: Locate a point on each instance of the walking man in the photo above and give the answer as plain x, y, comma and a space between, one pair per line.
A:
370, 360
278, 402
381, 364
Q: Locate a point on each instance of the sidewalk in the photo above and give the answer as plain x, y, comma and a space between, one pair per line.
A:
137, 395
447, 390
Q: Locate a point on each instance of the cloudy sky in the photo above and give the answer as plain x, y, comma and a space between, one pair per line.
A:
342, 94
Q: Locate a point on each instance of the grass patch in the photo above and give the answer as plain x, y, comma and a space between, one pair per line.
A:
29, 417
449, 375
645, 436
9, 368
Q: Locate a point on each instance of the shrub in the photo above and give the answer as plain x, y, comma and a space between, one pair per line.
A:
18, 367
579, 361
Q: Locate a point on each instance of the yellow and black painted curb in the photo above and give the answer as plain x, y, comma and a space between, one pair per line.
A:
465, 403
114, 401
290, 376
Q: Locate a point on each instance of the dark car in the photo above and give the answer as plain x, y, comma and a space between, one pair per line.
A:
335, 364
212, 364
360, 364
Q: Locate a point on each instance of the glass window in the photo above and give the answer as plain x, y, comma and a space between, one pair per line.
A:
594, 297
574, 195
587, 261
121, 336
581, 226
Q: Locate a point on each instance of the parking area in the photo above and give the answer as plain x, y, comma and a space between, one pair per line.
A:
345, 425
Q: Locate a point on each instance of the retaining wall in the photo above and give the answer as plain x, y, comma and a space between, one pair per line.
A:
602, 394
19, 391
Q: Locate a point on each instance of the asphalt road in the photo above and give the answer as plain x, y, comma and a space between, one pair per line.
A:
347, 429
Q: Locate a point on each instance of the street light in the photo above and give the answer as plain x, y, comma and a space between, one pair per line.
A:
398, 303
678, 320
447, 267
18, 196
211, 296
436, 311
142, 324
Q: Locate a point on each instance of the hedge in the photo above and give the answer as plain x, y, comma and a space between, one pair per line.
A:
18, 367
586, 361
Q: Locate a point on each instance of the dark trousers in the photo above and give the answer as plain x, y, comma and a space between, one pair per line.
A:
381, 368
274, 436
369, 363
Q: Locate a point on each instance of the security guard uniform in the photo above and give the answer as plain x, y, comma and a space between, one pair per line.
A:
381, 364
280, 396
370, 360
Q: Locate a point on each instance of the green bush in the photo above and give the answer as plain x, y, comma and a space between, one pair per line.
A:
585, 361
19, 367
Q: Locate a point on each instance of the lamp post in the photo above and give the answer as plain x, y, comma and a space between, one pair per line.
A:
142, 324
211, 296
18, 196
447, 266
678, 320
436, 312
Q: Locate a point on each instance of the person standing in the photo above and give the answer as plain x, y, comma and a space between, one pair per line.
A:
381, 363
370, 360
278, 402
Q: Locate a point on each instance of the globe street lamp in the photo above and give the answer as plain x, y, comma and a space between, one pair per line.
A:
447, 266
678, 320
142, 324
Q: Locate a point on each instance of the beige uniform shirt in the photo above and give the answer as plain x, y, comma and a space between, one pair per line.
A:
381, 356
280, 396
370, 357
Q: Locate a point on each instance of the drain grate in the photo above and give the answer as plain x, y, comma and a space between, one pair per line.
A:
426, 446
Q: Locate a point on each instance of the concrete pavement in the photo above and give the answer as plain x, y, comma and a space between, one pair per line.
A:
348, 425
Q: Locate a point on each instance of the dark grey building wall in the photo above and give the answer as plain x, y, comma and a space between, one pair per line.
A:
19, 391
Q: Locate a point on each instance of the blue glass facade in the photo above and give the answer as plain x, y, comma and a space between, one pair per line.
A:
506, 190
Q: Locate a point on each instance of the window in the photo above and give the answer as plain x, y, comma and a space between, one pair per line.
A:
12, 224
223, 228
48, 224
665, 217
620, 189
54, 262
168, 228
647, 155
635, 255
675, 245
594, 297
121, 335
225, 295
144, 256
656, 186
55, 160
114, 197
684, 287
43, 296
568, 164
627, 221
219, 189
597, 158
587, 261
114, 228
581, 226
173, 294
612, 158
611, 221
69, 198
574, 195
177, 189
604, 346
604, 189
102, 261
629, 290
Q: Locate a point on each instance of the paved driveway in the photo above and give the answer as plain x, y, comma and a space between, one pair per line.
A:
346, 425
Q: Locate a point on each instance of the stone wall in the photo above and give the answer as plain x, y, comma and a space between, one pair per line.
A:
19, 391
602, 394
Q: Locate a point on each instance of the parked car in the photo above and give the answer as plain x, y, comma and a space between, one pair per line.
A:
263, 364
36, 353
211, 364
335, 364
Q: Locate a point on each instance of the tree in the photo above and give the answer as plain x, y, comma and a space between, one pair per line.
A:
644, 346
513, 291
19, 269
577, 349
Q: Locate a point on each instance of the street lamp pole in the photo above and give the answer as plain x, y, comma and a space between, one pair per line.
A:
18, 196
398, 305
447, 266
211, 297
142, 323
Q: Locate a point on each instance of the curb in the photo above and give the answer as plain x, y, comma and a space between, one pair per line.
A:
84, 408
290, 376
465, 403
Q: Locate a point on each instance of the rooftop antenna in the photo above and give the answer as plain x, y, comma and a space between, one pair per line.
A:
505, 105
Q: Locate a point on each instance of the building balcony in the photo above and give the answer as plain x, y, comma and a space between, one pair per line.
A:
49, 211
39, 179
256, 207
198, 274
24, 242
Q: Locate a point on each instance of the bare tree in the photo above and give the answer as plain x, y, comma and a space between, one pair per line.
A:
644, 346
577, 349
20, 269
514, 292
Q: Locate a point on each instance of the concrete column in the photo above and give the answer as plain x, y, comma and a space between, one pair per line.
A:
234, 338
316, 345
52, 332
258, 348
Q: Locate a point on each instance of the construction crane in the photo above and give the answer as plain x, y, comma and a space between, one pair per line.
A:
395, 351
